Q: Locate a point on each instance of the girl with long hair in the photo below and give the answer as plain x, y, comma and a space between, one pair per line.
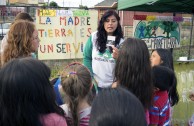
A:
76, 83
27, 96
133, 71
22, 41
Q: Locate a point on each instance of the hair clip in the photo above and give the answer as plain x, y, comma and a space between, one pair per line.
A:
73, 72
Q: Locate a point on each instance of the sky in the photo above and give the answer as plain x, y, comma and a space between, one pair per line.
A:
76, 3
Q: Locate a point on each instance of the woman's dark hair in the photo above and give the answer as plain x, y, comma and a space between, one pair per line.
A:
76, 82
133, 70
117, 107
26, 93
167, 61
102, 35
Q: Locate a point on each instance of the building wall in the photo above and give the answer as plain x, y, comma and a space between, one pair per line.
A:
127, 16
7, 14
127, 20
24, 1
2, 2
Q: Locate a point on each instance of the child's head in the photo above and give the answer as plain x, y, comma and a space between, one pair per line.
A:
163, 77
76, 82
117, 107
25, 88
162, 57
133, 69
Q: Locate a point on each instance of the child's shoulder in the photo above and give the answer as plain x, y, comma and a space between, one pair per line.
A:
161, 98
53, 119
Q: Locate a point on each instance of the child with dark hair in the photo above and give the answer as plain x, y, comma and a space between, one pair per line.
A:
164, 58
117, 107
76, 83
163, 78
133, 71
27, 96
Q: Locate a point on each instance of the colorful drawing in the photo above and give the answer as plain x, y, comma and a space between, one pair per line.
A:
158, 34
154, 31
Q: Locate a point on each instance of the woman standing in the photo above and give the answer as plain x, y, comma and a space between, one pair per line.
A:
22, 41
100, 58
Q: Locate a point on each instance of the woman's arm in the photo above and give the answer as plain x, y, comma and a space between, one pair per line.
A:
87, 56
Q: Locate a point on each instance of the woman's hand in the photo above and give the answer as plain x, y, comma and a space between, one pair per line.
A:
114, 85
115, 52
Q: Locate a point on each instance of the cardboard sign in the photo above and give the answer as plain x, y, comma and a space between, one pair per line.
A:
63, 33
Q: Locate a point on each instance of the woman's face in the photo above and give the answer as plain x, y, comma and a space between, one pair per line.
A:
110, 25
155, 59
35, 41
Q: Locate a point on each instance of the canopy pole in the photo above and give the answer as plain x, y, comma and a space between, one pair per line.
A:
191, 33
